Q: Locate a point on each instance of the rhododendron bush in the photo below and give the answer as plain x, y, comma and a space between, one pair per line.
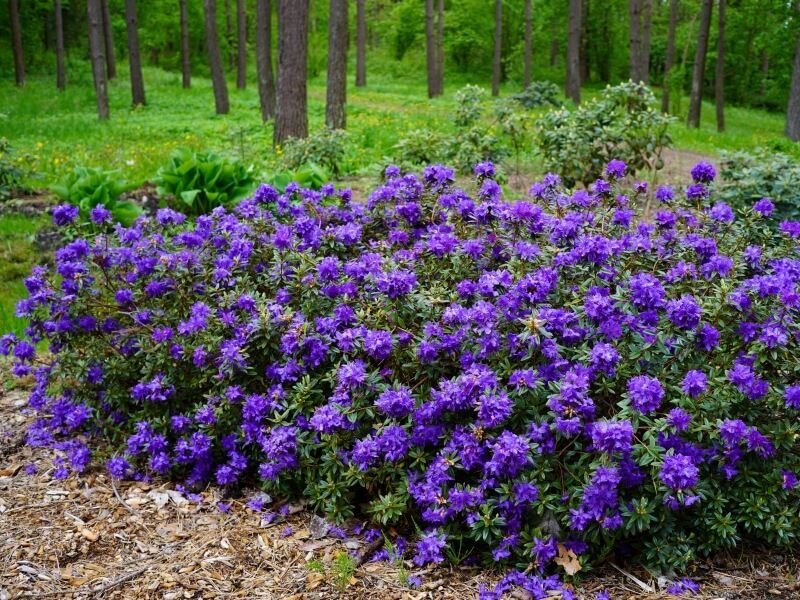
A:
512, 378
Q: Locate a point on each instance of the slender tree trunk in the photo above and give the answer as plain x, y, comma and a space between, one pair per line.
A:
635, 37
498, 47
698, 73
430, 48
186, 63
644, 55
440, 48
16, 42
94, 11
215, 58
528, 59
336, 92
719, 73
132, 29
669, 60
291, 119
584, 50
229, 34
361, 44
108, 39
793, 107
241, 30
61, 71
573, 52
266, 81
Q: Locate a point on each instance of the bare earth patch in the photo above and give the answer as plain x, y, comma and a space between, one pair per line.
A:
88, 537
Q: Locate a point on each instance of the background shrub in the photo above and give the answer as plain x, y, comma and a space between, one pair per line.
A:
508, 374
325, 148
12, 174
539, 93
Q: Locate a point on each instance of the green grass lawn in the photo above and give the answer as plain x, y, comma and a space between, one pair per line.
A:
52, 132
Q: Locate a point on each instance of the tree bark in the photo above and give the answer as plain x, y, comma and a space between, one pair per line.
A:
241, 43
430, 48
793, 107
16, 42
108, 40
186, 64
584, 49
94, 11
266, 81
719, 73
291, 119
336, 92
134, 60
573, 87
229, 34
698, 72
61, 71
440, 48
644, 52
498, 47
215, 58
669, 60
528, 58
635, 37
361, 44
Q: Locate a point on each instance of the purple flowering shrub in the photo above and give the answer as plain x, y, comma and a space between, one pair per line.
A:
507, 374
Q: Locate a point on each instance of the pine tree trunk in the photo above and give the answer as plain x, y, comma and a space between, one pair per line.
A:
229, 34
644, 54
336, 92
584, 50
132, 29
430, 48
440, 48
528, 58
291, 119
186, 63
573, 87
498, 47
635, 37
698, 72
266, 81
669, 60
361, 44
61, 71
793, 107
94, 11
241, 30
108, 40
719, 73
215, 58
16, 42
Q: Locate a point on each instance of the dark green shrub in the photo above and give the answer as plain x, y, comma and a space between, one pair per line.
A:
325, 148
539, 93
419, 147
11, 173
88, 188
623, 123
199, 182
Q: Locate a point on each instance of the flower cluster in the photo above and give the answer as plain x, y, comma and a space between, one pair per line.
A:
514, 375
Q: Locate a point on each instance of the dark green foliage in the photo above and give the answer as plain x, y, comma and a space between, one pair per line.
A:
539, 93
86, 188
622, 123
325, 148
748, 177
201, 181
309, 176
11, 173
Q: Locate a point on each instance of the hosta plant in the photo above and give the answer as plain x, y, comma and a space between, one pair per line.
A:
522, 379
98, 191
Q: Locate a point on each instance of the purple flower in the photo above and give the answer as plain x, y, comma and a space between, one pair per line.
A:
665, 194
764, 207
683, 587
118, 467
792, 396
679, 472
679, 419
685, 312
612, 436
616, 169
694, 383
99, 215
703, 172
64, 214
429, 548
396, 403
645, 393
646, 291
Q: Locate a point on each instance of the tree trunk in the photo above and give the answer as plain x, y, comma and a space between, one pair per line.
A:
430, 48
108, 39
241, 30
584, 50
94, 11
291, 119
498, 47
644, 53
215, 58
266, 81
719, 73
336, 92
16, 42
528, 58
669, 60
440, 48
229, 34
793, 107
132, 29
573, 52
635, 37
186, 64
361, 44
61, 71
698, 73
